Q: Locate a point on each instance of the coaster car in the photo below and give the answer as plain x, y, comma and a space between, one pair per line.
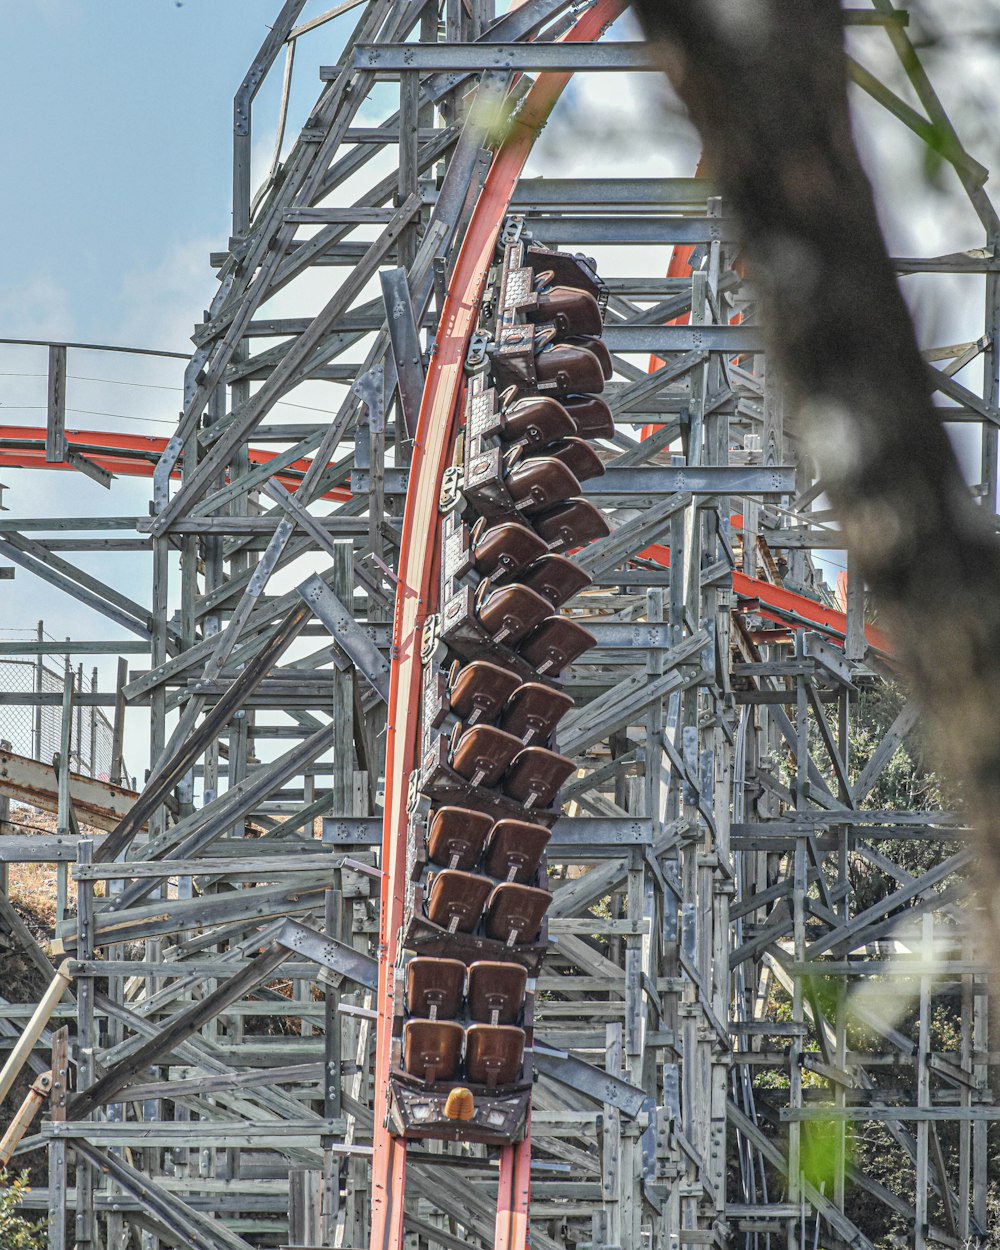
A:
591, 415
432, 1049
515, 849
504, 549
515, 913
578, 456
555, 577
534, 420
434, 987
493, 1054
478, 691
457, 899
539, 483
556, 643
554, 268
496, 991
456, 837
569, 367
535, 775
482, 755
510, 612
533, 712
506, 486
571, 524
600, 350
495, 635
569, 309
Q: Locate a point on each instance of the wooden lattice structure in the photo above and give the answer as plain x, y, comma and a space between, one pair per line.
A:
715, 983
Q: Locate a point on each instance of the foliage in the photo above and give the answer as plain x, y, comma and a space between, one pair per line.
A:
15, 1231
875, 1155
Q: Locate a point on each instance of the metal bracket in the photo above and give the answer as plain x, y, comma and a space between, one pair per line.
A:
430, 635
370, 389
343, 961
477, 357
350, 637
451, 489
513, 229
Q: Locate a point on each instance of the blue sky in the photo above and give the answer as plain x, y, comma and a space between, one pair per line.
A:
116, 146
116, 143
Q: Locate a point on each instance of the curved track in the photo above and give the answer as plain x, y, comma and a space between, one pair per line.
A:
415, 599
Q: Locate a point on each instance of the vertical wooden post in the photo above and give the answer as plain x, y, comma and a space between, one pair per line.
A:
118, 727
39, 683
5, 827
920, 1217
409, 121
93, 725
55, 418
303, 1207
63, 797
57, 1147
86, 1231
795, 1050
342, 796
856, 645
611, 1152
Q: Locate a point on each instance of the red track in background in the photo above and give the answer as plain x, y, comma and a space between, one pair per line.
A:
125, 455
785, 607
775, 603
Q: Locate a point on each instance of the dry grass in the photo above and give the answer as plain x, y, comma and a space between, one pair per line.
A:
32, 887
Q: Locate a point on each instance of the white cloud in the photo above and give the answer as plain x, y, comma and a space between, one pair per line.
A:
161, 301
38, 308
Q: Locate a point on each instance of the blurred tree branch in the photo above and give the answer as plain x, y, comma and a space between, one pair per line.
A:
765, 83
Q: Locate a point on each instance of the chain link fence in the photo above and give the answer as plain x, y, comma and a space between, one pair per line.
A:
36, 731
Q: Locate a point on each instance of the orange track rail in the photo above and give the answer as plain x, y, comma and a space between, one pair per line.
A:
415, 598
776, 604
785, 607
125, 455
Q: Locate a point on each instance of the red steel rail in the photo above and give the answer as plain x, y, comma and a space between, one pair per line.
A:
124, 455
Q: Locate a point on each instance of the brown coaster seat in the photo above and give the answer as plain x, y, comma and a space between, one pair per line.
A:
571, 524
591, 415
496, 991
534, 711
493, 1054
457, 900
432, 1049
555, 577
540, 483
483, 754
578, 456
535, 421
554, 268
503, 549
479, 690
515, 849
510, 612
434, 987
569, 309
556, 643
600, 350
568, 367
456, 837
535, 776
515, 913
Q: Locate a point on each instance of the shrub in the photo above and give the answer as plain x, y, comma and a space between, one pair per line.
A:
15, 1231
